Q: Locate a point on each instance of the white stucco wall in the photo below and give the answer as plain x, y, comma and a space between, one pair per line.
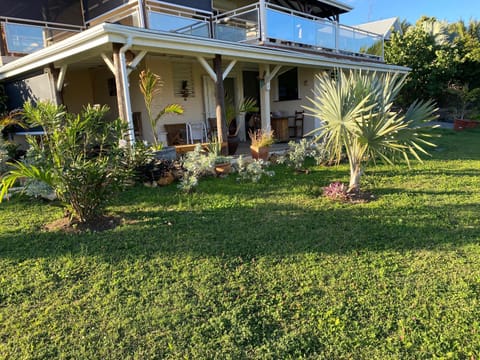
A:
78, 90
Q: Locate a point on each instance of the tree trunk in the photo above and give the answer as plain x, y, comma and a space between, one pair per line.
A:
355, 174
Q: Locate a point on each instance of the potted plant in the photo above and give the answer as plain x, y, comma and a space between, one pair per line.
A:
222, 164
246, 105
261, 141
466, 101
151, 85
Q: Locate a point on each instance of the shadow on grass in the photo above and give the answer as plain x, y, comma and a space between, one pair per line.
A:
231, 219
260, 230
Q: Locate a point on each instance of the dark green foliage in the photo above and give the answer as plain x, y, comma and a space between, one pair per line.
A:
79, 157
3, 101
270, 270
439, 55
433, 65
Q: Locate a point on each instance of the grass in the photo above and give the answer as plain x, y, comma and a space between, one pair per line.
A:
260, 271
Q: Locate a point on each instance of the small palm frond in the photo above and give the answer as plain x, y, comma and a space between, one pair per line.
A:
150, 85
12, 118
20, 171
172, 109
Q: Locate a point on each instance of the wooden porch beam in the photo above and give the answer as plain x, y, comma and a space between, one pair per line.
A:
61, 78
208, 68
109, 62
212, 72
229, 68
273, 73
136, 61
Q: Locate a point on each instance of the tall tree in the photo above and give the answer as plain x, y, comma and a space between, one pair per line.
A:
427, 49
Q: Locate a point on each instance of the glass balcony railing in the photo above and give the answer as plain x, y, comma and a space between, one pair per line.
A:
179, 24
184, 21
284, 26
240, 25
26, 38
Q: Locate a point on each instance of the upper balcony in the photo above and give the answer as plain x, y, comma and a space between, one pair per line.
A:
270, 25
278, 26
260, 23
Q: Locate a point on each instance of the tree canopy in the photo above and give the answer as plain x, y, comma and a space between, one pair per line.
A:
440, 54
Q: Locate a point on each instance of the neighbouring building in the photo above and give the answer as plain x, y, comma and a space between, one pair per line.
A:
77, 52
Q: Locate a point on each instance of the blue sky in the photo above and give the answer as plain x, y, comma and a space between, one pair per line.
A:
370, 10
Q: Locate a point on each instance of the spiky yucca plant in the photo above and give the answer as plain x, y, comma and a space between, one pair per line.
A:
357, 116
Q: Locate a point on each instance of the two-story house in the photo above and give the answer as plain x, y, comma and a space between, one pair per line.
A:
77, 52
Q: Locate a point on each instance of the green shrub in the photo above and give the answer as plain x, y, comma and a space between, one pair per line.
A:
298, 152
196, 164
80, 157
252, 170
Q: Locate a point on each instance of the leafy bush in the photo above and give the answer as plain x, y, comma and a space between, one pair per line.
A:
253, 170
33, 187
80, 157
196, 164
298, 152
3, 156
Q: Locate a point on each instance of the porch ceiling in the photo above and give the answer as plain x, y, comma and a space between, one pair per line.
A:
84, 50
320, 8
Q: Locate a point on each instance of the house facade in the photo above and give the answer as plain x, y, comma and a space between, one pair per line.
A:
79, 52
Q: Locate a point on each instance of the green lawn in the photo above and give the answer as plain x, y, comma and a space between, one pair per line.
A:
259, 271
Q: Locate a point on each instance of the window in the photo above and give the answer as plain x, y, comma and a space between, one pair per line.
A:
288, 85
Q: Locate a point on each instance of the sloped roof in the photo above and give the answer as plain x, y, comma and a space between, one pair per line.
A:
382, 27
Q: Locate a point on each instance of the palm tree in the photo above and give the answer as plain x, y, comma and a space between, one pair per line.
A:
356, 110
438, 30
150, 86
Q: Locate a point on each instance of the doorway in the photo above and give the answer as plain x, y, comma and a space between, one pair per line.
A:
251, 89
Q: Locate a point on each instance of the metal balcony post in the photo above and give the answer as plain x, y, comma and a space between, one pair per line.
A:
262, 19
141, 14
337, 36
383, 48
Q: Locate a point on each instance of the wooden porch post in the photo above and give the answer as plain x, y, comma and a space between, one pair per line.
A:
265, 96
119, 83
220, 100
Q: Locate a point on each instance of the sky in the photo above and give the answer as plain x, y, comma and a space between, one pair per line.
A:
411, 10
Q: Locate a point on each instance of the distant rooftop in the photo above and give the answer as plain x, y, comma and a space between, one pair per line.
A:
382, 27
